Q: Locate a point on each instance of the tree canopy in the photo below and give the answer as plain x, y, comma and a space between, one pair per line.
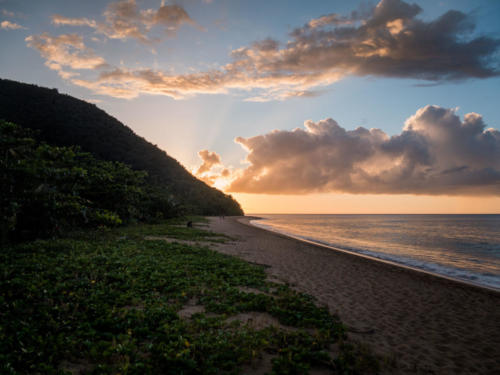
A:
62, 120
47, 189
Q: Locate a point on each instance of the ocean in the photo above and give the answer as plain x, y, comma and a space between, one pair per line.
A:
464, 247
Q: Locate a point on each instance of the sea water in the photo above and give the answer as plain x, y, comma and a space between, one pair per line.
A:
464, 247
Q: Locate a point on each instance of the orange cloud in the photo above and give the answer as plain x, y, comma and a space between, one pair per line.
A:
59, 20
132, 83
123, 20
210, 159
212, 171
7, 25
388, 40
66, 50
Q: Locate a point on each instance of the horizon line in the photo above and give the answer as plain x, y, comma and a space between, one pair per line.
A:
373, 213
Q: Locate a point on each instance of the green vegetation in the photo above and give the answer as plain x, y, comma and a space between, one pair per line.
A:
108, 301
66, 121
46, 190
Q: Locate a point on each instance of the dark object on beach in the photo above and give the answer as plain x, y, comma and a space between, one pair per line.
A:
189, 224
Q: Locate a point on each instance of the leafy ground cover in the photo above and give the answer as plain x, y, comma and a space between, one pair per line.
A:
108, 302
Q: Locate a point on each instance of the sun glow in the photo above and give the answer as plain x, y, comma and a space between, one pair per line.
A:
366, 204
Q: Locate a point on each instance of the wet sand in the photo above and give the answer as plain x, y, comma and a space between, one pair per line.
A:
427, 324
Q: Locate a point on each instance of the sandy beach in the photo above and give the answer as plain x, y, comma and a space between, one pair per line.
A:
427, 324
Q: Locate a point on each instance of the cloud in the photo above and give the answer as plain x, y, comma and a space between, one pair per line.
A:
124, 20
334, 19
436, 153
284, 95
7, 25
211, 171
59, 20
388, 40
7, 13
210, 159
65, 51
133, 82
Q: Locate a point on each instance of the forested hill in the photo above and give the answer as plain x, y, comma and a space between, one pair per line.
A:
64, 121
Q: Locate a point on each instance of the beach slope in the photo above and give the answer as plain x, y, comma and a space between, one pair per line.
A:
425, 323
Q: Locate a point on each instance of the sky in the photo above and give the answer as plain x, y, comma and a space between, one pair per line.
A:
289, 106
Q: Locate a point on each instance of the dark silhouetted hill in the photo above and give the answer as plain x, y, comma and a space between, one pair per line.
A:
64, 120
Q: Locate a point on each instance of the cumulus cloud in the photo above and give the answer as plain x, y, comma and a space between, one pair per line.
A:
436, 153
7, 25
210, 159
65, 51
388, 40
123, 20
212, 171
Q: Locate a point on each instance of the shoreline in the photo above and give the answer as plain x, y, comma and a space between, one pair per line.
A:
424, 322
246, 220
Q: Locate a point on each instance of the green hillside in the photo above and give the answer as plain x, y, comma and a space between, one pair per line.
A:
65, 121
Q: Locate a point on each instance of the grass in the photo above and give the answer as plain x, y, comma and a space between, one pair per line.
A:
107, 302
